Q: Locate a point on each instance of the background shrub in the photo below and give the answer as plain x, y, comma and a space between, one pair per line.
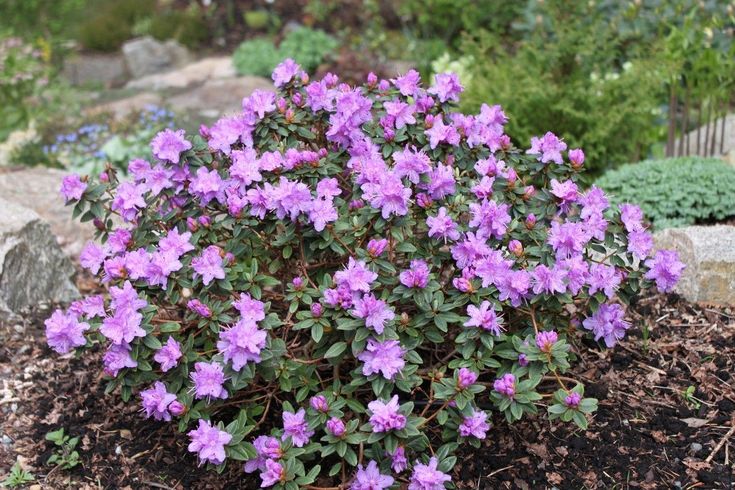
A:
256, 57
111, 23
675, 191
308, 47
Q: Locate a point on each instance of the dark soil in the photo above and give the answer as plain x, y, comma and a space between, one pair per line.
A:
646, 433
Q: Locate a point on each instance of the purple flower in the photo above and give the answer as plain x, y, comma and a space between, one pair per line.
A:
514, 286
385, 416
631, 216
472, 248
207, 185
417, 276
446, 87
411, 164
156, 402
548, 280
168, 356
125, 298
546, 340
572, 399
336, 427
640, 244
175, 242
285, 72
594, 202
272, 474
72, 188
604, 278
250, 309
209, 443
384, 357
465, 378
208, 379
123, 327
64, 331
356, 277
440, 132
549, 146
607, 323
128, 200
92, 257
664, 268
376, 247
169, 145
506, 385
199, 308
442, 226
375, 312
567, 239
159, 178
116, 358
408, 84
401, 113
441, 182
490, 218
474, 425
399, 462
389, 195
296, 427
260, 102
267, 448
322, 212
209, 265
522, 360
566, 192
483, 317
328, 188
370, 478
576, 272
316, 310
242, 343
428, 477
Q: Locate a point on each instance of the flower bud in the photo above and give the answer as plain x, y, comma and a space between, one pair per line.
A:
304, 77
546, 340
376, 247
336, 427
572, 400
372, 79
512, 177
281, 105
384, 85
530, 221
429, 121
465, 378
186, 293
576, 156
290, 115
99, 224
529, 192
357, 204
203, 131
505, 142
298, 283
297, 99
319, 403
229, 258
316, 310
515, 247
192, 224
104, 177
423, 200
388, 134
205, 221
405, 319
176, 408
522, 360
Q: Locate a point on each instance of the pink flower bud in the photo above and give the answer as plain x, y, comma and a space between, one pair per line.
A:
176, 408
372, 79
516, 248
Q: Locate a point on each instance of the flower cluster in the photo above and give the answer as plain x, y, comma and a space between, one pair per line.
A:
337, 272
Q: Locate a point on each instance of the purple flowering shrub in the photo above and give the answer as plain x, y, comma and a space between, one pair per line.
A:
353, 281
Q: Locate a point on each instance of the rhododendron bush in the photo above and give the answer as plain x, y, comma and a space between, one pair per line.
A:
352, 282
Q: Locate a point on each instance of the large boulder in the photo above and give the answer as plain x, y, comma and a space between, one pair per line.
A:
33, 268
218, 96
37, 188
192, 74
709, 254
145, 56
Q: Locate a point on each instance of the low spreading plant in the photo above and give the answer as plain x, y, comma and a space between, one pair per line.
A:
309, 47
671, 191
352, 281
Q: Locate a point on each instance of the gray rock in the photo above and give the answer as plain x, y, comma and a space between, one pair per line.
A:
121, 108
108, 69
194, 73
709, 254
37, 188
219, 96
145, 56
33, 268
696, 447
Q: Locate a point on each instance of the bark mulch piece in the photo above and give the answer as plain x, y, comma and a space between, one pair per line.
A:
648, 432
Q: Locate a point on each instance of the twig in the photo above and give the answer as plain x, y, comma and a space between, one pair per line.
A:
158, 485
498, 471
721, 443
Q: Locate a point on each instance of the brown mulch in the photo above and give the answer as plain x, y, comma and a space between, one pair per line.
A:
646, 434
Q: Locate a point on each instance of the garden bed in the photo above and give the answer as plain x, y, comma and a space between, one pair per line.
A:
646, 434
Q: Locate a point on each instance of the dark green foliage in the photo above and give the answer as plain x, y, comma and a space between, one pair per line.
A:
111, 23
256, 57
675, 191
187, 27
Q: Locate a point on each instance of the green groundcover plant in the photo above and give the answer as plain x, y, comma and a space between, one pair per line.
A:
308, 47
352, 281
675, 191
